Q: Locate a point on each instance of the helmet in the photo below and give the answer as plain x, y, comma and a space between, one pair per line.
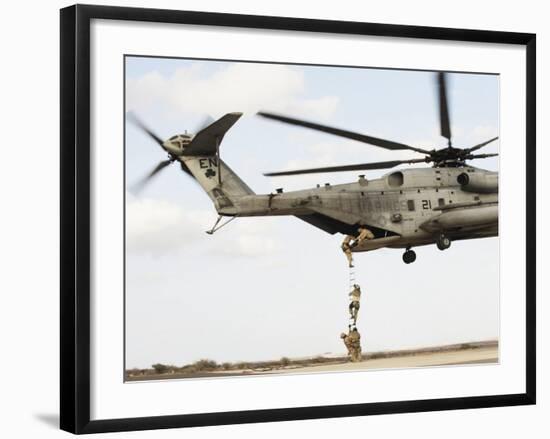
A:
342, 335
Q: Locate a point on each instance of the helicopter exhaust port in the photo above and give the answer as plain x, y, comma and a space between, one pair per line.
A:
484, 183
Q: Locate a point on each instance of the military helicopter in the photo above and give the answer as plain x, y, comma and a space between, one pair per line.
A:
405, 208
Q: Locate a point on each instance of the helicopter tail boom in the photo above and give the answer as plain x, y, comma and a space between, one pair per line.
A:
202, 159
218, 180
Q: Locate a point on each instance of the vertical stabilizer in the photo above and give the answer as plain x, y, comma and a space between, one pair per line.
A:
202, 159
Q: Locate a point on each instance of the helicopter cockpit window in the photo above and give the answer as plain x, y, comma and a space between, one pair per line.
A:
173, 137
395, 179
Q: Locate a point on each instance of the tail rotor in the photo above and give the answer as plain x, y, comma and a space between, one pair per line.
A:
173, 147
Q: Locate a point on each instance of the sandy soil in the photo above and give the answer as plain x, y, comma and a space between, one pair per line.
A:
480, 355
467, 356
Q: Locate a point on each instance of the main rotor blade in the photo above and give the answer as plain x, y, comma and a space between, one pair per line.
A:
481, 156
136, 121
137, 187
387, 144
481, 145
357, 167
443, 107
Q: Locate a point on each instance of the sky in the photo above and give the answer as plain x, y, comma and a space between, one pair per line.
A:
264, 288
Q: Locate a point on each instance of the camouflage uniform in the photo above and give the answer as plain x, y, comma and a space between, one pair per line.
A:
353, 344
364, 234
346, 248
346, 341
355, 297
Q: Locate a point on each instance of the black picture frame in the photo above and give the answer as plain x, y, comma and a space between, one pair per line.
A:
75, 217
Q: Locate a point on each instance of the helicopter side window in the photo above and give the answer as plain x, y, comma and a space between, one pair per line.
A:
410, 205
441, 202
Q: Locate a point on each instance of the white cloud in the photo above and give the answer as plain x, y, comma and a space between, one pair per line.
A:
158, 227
254, 245
251, 237
238, 87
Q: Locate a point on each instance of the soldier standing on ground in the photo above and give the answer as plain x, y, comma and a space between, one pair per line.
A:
345, 339
355, 341
353, 344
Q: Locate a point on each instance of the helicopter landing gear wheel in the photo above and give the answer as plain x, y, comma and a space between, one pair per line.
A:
443, 242
409, 256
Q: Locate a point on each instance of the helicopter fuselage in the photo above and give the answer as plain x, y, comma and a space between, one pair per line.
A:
404, 208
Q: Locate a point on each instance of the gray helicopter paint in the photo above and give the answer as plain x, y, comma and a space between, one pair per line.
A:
409, 207
404, 208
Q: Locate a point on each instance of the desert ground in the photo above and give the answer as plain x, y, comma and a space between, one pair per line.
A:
463, 354
467, 356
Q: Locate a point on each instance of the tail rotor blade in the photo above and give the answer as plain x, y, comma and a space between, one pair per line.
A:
137, 122
138, 187
443, 106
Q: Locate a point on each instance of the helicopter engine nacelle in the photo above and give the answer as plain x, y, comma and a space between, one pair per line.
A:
462, 218
480, 183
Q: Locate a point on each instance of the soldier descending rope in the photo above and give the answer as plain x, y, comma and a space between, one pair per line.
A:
355, 297
346, 248
351, 241
352, 339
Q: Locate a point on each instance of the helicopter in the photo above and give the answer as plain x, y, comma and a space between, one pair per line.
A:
405, 208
